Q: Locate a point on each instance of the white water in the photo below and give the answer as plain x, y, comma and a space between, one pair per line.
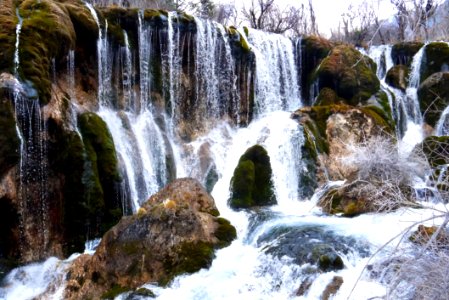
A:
276, 74
16, 52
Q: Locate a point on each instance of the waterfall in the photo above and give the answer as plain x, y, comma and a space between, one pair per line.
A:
413, 110
145, 35
31, 130
276, 74
127, 75
16, 52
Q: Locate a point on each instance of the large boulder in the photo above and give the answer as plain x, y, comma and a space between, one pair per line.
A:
402, 53
7, 35
313, 50
349, 73
251, 184
176, 231
435, 59
433, 95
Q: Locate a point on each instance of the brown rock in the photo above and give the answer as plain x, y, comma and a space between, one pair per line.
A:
175, 232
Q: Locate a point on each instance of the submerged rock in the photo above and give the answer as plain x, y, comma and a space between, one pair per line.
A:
311, 244
176, 231
251, 184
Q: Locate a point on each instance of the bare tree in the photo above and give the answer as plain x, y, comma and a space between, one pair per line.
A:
266, 15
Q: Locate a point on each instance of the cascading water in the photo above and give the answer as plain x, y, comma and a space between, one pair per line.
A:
263, 262
276, 74
31, 130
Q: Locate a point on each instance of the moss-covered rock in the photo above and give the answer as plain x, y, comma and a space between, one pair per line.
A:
101, 175
397, 77
313, 50
433, 95
9, 141
47, 33
327, 96
8, 22
402, 53
251, 184
435, 59
175, 232
349, 73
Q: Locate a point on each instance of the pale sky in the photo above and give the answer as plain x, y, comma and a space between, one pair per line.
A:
328, 12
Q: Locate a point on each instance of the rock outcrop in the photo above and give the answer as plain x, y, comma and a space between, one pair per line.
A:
251, 184
402, 53
176, 231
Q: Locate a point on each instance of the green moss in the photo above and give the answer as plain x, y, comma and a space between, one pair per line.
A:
349, 73
243, 185
251, 184
380, 118
402, 53
435, 59
9, 141
238, 38
114, 292
150, 14
225, 232
190, 257
47, 33
101, 176
433, 95
327, 96
8, 21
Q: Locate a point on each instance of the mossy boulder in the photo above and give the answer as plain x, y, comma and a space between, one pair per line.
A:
47, 34
349, 73
313, 50
433, 95
8, 21
251, 184
347, 201
101, 175
397, 77
402, 53
175, 232
435, 59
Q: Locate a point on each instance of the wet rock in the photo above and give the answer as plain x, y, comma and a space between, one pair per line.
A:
251, 184
7, 35
316, 245
424, 234
435, 59
102, 174
402, 53
313, 49
397, 77
332, 288
329, 129
9, 141
433, 95
176, 231
349, 73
